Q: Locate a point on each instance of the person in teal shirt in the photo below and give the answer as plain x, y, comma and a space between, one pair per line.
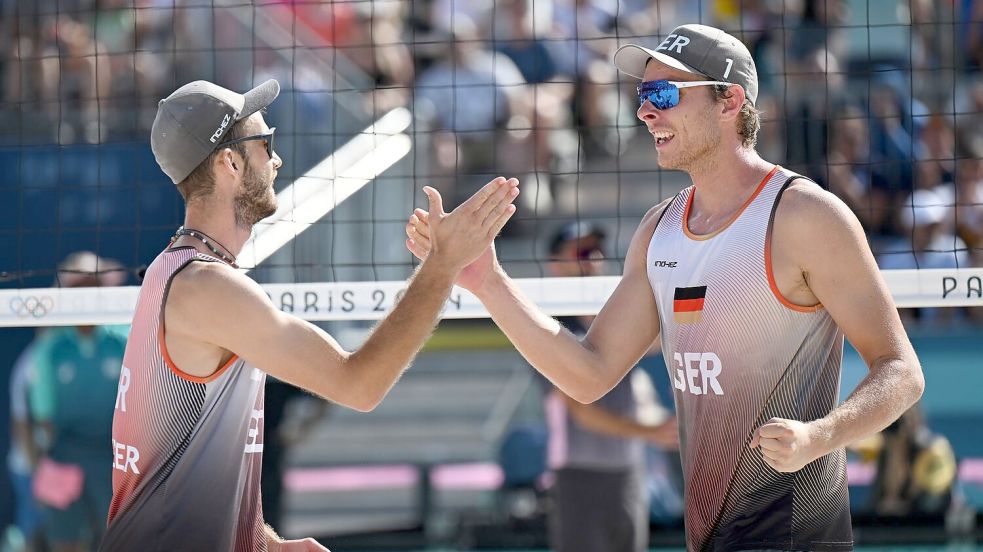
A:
72, 398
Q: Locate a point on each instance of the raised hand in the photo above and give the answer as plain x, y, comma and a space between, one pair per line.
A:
481, 217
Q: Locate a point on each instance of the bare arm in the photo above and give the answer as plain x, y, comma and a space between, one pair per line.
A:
826, 241
587, 368
217, 306
584, 369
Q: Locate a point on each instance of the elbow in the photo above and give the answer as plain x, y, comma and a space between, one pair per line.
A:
364, 406
368, 397
593, 387
917, 383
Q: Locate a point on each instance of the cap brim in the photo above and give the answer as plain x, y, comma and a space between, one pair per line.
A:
631, 59
259, 97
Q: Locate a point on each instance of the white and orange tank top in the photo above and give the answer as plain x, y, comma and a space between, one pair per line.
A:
738, 353
187, 451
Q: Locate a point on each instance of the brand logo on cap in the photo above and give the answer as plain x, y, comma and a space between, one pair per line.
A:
218, 131
678, 42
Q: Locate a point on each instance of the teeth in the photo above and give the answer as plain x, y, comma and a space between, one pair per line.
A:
662, 136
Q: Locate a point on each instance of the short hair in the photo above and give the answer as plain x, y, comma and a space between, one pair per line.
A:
201, 182
749, 119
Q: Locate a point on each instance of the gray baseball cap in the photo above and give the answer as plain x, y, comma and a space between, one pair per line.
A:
697, 49
192, 121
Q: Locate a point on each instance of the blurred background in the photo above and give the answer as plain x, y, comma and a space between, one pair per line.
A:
880, 101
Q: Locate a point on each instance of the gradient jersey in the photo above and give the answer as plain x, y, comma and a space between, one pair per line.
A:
187, 451
738, 354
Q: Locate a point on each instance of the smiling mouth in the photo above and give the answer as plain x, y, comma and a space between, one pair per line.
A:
662, 137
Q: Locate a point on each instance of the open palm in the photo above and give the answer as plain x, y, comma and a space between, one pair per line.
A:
418, 242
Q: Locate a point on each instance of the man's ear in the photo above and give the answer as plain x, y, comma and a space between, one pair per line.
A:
226, 162
731, 106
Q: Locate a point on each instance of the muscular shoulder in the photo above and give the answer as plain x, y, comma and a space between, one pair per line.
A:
204, 289
811, 221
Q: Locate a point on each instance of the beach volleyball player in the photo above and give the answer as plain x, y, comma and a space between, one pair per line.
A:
188, 426
751, 276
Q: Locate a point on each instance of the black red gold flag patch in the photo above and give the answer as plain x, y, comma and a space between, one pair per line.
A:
687, 304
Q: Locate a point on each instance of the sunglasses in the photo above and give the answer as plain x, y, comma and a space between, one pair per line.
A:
268, 136
664, 94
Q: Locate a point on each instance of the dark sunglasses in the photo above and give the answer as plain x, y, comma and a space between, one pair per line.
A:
268, 136
664, 94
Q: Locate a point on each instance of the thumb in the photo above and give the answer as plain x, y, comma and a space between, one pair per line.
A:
756, 438
436, 203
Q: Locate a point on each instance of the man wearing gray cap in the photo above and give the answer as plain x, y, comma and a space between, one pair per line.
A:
188, 424
751, 277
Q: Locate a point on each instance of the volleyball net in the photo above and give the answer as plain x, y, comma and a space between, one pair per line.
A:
880, 102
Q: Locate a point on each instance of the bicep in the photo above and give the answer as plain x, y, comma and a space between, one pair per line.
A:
841, 272
629, 321
233, 313
627, 324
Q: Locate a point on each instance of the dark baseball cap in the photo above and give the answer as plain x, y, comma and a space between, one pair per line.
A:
192, 121
700, 50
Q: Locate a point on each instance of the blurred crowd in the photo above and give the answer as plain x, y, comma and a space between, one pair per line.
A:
885, 108
527, 87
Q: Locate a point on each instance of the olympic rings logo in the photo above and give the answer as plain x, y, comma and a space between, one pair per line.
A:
30, 306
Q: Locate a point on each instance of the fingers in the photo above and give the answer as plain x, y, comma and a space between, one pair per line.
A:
502, 212
774, 428
479, 198
436, 202
421, 222
417, 250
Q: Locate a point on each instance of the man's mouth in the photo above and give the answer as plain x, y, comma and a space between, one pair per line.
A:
662, 137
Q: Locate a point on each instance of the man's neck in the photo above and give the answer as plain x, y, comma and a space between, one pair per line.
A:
725, 183
219, 224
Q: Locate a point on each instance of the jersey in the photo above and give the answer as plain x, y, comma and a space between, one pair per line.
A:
738, 353
187, 451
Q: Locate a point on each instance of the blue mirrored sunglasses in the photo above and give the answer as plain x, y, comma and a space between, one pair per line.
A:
664, 94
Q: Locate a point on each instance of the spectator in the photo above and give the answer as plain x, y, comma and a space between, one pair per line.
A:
467, 98
597, 451
72, 395
22, 458
851, 175
916, 471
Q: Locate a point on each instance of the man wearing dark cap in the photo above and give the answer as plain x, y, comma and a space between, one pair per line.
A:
188, 425
752, 277
599, 499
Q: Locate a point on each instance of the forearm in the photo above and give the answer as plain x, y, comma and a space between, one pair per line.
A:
398, 338
890, 389
543, 341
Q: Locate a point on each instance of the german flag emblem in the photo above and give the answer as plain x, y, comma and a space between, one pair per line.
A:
687, 304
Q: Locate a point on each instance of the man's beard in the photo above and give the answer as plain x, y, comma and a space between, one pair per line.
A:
699, 154
255, 200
